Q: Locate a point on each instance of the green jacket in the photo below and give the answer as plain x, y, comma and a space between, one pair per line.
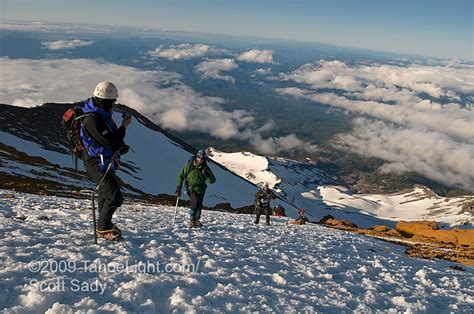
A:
196, 177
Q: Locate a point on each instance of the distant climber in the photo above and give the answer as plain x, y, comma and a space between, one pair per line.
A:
262, 203
279, 211
196, 173
301, 220
103, 143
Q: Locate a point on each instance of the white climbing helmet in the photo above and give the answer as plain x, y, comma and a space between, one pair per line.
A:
106, 90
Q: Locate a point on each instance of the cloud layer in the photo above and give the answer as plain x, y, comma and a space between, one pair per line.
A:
65, 44
185, 51
60, 28
257, 56
432, 153
421, 117
159, 95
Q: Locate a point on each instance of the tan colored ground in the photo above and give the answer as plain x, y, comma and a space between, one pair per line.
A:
423, 239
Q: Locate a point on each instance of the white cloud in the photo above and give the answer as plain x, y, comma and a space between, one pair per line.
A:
289, 143
211, 69
185, 51
159, 95
257, 56
408, 105
267, 127
263, 71
65, 44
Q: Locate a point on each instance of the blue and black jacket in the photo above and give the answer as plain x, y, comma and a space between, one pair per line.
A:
100, 136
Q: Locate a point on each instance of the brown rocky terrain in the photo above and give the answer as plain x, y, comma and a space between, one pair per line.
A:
423, 239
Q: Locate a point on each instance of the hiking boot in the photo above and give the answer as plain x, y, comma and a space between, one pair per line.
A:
117, 229
110, 234
193, 224
198, 224
268, 223
255, 222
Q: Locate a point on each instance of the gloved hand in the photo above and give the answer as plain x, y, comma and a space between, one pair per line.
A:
178, 192
126, 120
124, 149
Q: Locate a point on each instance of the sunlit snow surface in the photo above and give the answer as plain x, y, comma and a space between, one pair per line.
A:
228, 265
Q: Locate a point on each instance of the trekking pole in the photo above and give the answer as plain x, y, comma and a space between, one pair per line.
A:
94, 224
175, 209
93, 217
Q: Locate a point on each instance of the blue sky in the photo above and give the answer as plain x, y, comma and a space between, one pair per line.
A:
439, 28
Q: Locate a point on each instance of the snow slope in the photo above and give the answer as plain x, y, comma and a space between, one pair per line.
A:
40, 171
305, 186
152, 166
50, 264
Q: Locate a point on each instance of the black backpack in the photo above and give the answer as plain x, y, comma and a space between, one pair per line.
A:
71, 121
261, 200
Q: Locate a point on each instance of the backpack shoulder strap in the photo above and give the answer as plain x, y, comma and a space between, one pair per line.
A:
190, 169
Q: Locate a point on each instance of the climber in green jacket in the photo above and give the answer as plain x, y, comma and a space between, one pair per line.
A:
195, 173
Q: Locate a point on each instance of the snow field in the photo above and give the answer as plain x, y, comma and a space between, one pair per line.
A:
50, 264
